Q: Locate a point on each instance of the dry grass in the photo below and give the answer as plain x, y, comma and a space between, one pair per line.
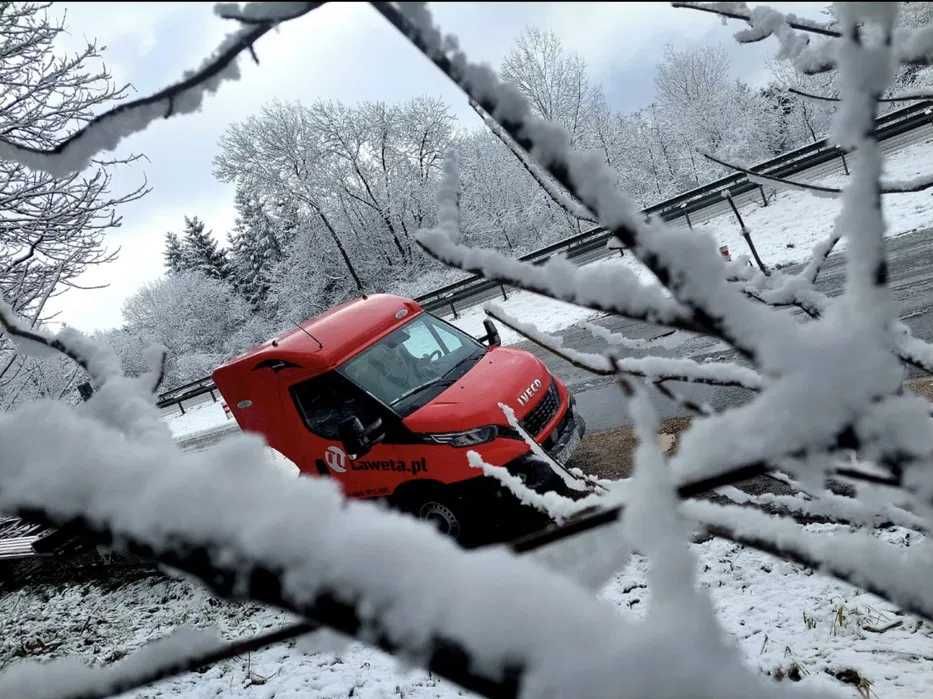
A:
609, 454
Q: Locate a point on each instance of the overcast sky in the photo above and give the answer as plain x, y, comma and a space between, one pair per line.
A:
342, 51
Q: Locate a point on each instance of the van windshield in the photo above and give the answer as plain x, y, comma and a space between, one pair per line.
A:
411, 365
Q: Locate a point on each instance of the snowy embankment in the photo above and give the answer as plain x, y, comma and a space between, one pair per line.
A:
788, 622
784, 232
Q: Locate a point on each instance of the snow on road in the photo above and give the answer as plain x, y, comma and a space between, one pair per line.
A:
781, 616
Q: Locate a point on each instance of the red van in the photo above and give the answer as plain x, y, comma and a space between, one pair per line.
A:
388, 398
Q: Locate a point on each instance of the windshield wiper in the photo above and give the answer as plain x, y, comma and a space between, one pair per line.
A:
441, 381
421, 387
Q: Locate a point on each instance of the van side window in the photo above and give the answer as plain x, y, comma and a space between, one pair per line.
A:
325, 401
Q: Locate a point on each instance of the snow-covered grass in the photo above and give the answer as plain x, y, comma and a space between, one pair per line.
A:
802, 220
197, 419
780, 615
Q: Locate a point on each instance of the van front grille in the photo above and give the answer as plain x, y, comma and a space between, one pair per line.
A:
543, 412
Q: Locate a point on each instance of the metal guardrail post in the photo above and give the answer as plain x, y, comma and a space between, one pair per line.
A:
764, 197
454, 310
505, 296
746, 234
845, 165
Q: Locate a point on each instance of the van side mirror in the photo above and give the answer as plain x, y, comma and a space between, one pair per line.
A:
491, 338
359, 439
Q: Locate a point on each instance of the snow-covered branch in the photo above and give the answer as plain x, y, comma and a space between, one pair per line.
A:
914, 96
558, 195
652, 368
182, 651
917, 184
105, 131
672, 256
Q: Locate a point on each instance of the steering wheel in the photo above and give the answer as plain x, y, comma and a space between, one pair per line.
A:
436, 354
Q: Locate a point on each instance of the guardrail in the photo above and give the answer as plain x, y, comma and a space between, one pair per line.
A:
887, 126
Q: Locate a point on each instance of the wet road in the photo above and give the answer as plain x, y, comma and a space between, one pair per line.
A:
910, 259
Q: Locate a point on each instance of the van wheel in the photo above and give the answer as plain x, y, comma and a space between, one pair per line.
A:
443, 516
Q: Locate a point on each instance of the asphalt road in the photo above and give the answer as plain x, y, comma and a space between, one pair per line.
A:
599, 400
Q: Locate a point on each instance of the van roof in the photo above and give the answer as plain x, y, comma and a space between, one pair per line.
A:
328, 339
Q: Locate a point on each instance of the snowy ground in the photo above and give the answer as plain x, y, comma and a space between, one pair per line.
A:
200, 418
782, 618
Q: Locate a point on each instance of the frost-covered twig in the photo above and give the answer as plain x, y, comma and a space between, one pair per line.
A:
181, 652
830, 507
917, 184
106, 130
608, 289
30, 339
556, 467
739, 10
678, 260
556, 506
907, 97
558, 195
652, 368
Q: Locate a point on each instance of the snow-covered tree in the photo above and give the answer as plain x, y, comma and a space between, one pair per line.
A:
54, 227
198, 319
556, 84
173, 254
257, 244
200, 253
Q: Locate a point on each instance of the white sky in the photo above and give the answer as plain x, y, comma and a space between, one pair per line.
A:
344, 52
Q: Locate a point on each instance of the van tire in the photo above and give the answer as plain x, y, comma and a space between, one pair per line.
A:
443, 515
442, 509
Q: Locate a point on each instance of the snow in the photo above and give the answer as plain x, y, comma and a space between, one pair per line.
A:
775, 612
778, 226
199, 419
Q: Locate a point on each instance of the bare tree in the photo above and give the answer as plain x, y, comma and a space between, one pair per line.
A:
54, 227
555, 83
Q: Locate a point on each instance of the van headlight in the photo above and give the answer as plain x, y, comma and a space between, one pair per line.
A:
467, 438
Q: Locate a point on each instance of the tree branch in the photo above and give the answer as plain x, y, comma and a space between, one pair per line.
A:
106, 130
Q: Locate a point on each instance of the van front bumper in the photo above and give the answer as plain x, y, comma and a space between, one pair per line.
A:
560, 444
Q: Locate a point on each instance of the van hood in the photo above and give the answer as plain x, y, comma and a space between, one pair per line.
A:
502, 376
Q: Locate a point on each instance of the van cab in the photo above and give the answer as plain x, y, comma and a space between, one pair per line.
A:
388, 399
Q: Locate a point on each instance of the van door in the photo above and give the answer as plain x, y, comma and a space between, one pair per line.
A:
325, 402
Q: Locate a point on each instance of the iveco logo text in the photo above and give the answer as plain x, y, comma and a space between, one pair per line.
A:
529, 392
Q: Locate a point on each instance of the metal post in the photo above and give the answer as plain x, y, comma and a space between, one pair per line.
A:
181, 407
505, 296
746, 235
764, 197
845, 165
689, 222
213, 397
454, 310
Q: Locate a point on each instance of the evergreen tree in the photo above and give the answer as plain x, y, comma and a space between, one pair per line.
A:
256, 246
174, 253
200, 252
